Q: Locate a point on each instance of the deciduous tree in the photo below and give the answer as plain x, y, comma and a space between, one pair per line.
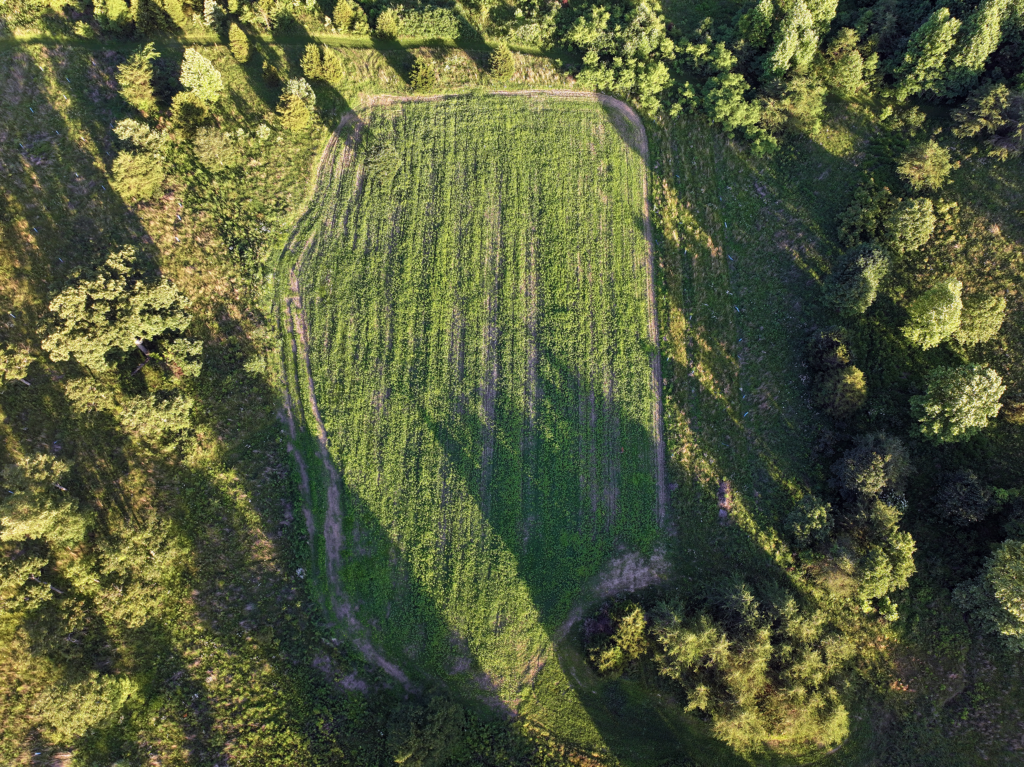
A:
958, 403
935, 314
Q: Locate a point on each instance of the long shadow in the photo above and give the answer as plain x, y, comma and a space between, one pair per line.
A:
557, 491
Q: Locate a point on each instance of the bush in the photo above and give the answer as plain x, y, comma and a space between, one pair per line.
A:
963, 499
842, 391
428, 22
423, 75
502, 64
935, 315
926, 166
852, 286
910, 225
981, 319
239, 43
958, 403
137, 176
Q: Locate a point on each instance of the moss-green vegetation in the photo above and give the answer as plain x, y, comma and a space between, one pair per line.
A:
474, 278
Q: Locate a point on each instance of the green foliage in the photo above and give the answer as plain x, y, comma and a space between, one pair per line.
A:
843, 67
344, 13
428, 22
935, 314
852, 285
756, 24
312, 62
724, 103
213, 15
842, 392
978, 41
293, 114
423, 75
37, 506
425, 736
135, 79
502, 63
765, 682
863, 220
627, 58
14, 362
980, 320
333, 71
876, 462
112, 309
387, 24
200, 76
958, 402
238, 42
923, 68
963, 499
996, 114
138, 176
828, 351
886, 567
926, 166
910, 225
796, 42
75, 710
810, 523
628, 643
996, 597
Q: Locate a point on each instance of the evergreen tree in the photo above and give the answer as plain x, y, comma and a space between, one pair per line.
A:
36, 505
935, 314
332, 69
924, 64
14, 363
981, 36
843, 64
796, 42
926, 166
200, 76
502, 64
910, 225
135, 78
756, 24
423, 75
852, 286
343, 14
875, 463
387, 24
958, 402
112, 309
239, 43
996, 597
963, 499
312, 62
981, 319
842, 391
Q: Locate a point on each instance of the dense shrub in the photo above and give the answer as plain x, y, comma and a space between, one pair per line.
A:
627, 644
958, 403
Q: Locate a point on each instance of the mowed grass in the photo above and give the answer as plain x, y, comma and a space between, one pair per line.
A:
474, 282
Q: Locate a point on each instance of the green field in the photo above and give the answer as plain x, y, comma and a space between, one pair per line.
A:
473, 280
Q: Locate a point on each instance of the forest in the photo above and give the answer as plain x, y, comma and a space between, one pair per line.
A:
512, 382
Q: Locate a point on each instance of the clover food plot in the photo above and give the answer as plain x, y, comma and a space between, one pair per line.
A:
470, 286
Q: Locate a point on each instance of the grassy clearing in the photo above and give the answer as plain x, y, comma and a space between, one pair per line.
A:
474, 282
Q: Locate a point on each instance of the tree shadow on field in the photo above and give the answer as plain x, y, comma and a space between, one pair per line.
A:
396, 55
